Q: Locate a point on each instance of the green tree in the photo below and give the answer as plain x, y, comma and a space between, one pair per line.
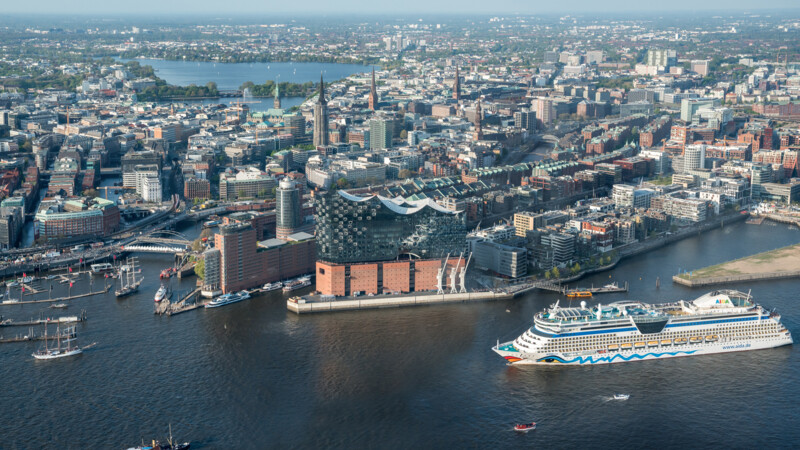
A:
90, 192
575, 269
197, 245
404, 173
342, 183
548, 275
403, 134
556, 273
200, 269
26, 146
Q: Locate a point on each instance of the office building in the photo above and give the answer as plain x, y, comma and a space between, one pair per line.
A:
240, 267
661, 58
690, 106
250, 183
12, 221
295, 124
288, 209
381, 131
151, 189
694, 157
525, 120
505, 260
211, 277
196, 188
60, 218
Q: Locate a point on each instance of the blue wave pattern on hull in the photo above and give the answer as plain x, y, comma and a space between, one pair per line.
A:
590, 360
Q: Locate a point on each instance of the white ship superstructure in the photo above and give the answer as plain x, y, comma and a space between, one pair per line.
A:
717, 322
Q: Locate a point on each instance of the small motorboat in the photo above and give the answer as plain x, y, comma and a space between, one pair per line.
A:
59, 306
525, 427
621, 396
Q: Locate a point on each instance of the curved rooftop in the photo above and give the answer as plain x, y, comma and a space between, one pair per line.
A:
398, 204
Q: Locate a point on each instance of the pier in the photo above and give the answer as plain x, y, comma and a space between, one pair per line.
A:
43, 321
13, 302
187, 302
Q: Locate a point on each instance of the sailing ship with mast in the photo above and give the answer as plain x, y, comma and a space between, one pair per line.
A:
127, 280
65, 345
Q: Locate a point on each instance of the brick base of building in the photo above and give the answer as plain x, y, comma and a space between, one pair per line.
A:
383, 277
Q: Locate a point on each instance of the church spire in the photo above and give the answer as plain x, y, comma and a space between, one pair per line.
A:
321, 98
373, 93
277, 101
457, 86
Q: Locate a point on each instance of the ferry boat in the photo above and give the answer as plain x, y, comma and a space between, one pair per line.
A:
299, 283
579, 294
229, 298
101, 268
162, 293
272, 286
717, 322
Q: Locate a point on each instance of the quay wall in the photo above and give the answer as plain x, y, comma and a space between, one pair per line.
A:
308, 306
696, 282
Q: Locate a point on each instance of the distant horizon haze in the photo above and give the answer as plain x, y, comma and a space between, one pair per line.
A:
409, 7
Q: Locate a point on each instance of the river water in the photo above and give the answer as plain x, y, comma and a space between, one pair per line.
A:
253, 375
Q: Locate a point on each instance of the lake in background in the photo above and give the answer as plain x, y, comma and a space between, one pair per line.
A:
253, 375
230, 76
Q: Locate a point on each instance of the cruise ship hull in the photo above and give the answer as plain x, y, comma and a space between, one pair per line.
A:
717, 322
516, 357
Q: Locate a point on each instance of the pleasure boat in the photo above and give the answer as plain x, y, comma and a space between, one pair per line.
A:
101, 268
163, 293
621, 396
229, 298
272, 286
299, 283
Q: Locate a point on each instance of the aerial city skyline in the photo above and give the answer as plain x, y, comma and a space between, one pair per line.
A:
387, 225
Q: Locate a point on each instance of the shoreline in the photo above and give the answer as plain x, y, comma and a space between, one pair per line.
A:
307, 304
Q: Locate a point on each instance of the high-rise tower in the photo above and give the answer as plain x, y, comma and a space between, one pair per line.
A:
288, 209
457, 87
277, 101
373, 93
321, 117
478, 131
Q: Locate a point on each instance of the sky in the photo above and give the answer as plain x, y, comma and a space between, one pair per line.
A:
305, 7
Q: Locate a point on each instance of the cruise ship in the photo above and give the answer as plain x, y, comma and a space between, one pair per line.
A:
227, 299
717, 322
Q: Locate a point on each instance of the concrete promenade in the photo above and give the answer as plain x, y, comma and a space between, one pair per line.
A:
310, 304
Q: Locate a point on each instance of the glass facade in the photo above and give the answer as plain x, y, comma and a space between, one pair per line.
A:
362, 229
